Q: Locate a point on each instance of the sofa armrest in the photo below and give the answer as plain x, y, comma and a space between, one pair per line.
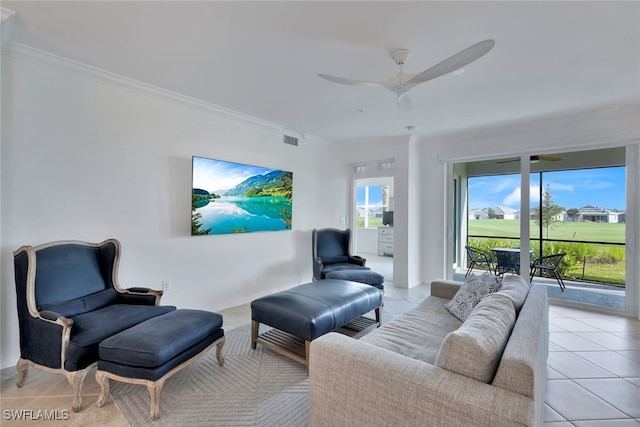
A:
51, 315
51, 330
317, 268
349, 377
358, 260
140, 295
444, 288
139, 290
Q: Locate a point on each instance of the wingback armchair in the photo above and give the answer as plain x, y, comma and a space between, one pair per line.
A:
330, 248
68, 301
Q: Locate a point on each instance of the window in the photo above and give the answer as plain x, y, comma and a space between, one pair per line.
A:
371, 201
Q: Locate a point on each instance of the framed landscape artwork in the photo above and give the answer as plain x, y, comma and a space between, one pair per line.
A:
232, 197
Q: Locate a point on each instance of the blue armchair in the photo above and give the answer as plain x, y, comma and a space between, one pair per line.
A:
330, 248
68, 301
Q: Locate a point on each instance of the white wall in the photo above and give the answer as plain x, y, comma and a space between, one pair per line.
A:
89, 157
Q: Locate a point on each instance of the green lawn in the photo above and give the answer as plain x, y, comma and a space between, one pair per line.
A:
373, 222
585, 231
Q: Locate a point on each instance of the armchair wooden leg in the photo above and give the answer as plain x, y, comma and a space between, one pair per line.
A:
76, 379
23, 370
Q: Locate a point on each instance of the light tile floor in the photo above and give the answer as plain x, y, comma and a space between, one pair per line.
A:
593, 374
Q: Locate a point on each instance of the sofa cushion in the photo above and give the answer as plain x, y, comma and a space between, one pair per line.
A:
516, 289
84, 304
474, 289
418, 333
475, 349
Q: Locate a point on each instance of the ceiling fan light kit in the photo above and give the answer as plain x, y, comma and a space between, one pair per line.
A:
402, 83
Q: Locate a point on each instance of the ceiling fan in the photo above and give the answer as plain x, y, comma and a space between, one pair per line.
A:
533, 159
403, 83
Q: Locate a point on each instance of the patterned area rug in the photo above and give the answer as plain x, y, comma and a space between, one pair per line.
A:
253, 388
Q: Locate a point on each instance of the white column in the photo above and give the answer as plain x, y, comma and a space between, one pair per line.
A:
525, 213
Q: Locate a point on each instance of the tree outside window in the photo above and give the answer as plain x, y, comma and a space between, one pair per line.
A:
551, 212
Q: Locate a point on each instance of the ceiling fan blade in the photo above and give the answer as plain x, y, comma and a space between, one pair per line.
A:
533, 159
455, 62
404, 103
351, 82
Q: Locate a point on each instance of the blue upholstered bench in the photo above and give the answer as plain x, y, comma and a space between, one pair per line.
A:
362, 276
305, 312
155, 349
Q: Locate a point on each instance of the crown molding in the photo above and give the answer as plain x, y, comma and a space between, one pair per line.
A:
60, 63
7, 19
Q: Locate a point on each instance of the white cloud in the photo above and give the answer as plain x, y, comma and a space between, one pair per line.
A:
513, 198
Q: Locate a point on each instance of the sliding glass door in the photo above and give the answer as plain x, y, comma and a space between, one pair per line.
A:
576, 213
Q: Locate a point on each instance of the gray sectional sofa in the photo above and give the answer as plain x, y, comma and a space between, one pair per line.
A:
428, 368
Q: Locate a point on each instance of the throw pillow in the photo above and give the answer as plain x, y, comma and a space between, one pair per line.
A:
471, 293
475, 348
516, 288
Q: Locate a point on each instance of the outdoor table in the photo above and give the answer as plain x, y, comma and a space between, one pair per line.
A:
508, 259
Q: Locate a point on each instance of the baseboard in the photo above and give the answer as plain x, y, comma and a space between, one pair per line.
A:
8, 372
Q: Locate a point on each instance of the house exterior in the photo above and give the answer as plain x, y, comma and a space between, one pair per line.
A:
562, 216
501, 212
597, 214
477, 214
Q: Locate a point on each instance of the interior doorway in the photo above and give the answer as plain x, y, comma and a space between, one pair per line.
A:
373, 223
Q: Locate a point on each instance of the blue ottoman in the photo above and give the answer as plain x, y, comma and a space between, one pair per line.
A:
150, 352
362, 276
308, 311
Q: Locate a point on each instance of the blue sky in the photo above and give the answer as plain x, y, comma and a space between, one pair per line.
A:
214, 175
604, 187
375, 195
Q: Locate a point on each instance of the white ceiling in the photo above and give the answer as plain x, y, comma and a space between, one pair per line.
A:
262, 58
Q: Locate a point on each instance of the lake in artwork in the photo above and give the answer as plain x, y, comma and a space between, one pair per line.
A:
237, 198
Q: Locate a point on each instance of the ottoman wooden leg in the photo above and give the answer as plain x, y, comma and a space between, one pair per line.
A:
255, 326
378, 316
307, 347
219, 345
103, 380
155, 387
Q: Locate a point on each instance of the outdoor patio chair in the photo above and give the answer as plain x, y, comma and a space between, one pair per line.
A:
549, 264
478, 257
